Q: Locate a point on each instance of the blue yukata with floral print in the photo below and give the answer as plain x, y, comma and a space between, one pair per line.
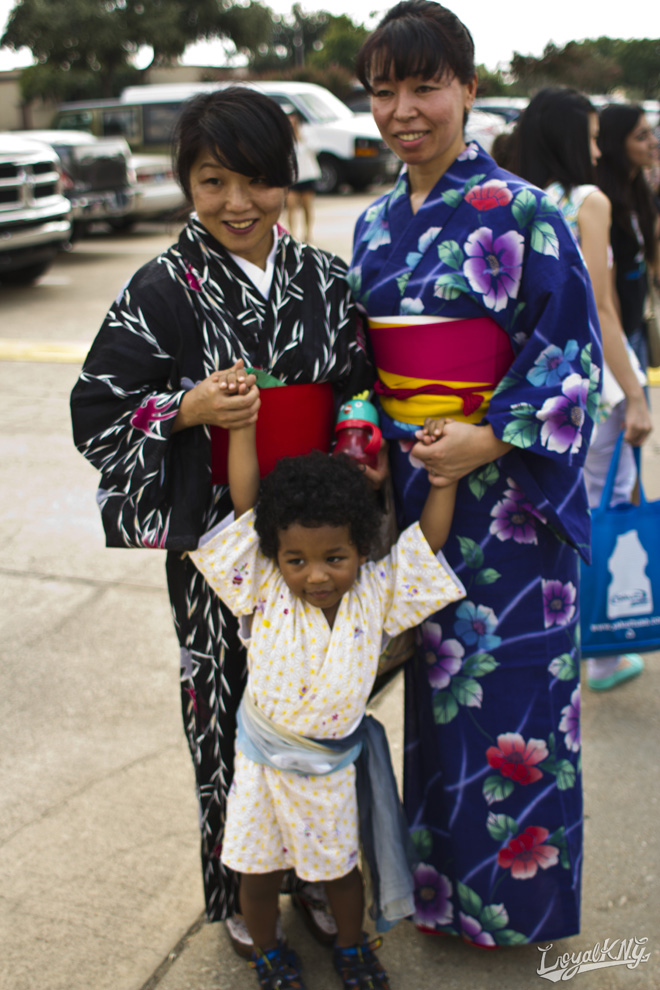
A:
492, 783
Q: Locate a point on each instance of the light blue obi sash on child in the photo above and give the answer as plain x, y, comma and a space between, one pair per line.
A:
387, 848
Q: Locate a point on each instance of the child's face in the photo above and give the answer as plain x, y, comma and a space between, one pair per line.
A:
319, 564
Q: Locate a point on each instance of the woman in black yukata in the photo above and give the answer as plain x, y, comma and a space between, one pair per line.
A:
234, 286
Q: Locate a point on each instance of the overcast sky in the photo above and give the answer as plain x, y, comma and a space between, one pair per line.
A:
498, 29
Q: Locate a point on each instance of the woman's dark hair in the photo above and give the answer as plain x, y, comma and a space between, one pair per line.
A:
243, 129
316, 490
417, 38
627, 194
551, 139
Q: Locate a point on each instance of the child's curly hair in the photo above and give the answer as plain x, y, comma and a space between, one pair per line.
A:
316, 490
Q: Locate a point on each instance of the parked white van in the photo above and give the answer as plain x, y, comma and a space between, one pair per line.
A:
348, 145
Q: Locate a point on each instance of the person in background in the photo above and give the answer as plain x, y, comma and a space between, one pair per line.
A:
556, 146
235, 286
481, 311
628, 145
302, 193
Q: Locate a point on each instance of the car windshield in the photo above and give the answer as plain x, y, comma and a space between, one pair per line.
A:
322, 109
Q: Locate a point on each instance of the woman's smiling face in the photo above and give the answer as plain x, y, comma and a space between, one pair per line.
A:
420, 119
238, 210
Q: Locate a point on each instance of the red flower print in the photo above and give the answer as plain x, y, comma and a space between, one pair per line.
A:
524, 854
515, 758
491, 194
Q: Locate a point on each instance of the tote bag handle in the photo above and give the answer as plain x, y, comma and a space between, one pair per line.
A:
606, 496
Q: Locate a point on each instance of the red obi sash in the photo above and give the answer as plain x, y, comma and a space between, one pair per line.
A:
293, 419
462, 358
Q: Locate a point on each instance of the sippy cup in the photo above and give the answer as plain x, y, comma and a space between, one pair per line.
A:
358, 435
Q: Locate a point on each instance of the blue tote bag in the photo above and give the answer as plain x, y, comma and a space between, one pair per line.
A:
620, 589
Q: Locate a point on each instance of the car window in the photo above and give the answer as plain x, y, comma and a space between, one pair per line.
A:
80, 120
323, 108
158, 120
120, 121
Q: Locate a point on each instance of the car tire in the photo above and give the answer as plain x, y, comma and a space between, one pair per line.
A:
331, 174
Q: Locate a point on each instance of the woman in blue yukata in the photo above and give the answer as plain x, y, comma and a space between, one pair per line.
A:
481, 310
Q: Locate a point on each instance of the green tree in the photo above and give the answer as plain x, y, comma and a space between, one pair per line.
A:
92, 41
339, 43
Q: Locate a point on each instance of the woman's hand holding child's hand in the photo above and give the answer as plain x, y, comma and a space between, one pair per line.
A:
227, 398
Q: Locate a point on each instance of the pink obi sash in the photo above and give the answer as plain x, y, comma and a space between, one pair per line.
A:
293, 419
460, 359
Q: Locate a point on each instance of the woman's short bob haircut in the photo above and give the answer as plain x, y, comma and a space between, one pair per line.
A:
316, 490
417, 38
551, 140
246, 131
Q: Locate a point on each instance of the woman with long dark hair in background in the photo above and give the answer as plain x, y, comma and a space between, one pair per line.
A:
556, 148
627, 144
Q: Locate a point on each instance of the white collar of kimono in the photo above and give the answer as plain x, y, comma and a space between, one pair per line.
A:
261, 278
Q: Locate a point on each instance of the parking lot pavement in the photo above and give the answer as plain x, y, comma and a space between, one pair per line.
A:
100, 887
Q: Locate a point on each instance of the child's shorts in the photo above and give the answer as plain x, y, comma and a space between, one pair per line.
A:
277, 820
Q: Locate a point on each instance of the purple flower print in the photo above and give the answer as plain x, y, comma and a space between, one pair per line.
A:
558, 603
432, 897
469, 153
151, 411
564, 415
472, 931
570, 722
475, 626
493, 267
444, 659
515, 517
552, 365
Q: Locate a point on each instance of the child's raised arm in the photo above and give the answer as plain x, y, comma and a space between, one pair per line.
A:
242, 463
437, 514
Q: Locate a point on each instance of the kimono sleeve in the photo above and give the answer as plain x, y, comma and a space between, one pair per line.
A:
234, 566
414, 582
547, 401
152, 492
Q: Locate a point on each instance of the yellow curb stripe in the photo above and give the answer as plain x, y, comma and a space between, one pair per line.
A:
43, 351
63, 352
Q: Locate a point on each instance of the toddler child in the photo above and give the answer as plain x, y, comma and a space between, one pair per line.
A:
315, 614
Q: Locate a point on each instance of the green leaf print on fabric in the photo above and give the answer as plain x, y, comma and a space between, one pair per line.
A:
467, 691
402, 282
558, 839
452, 197
480, 481
565, 775
501, 827
451, 253
450, 286
485, 924
563, 667
445, 707
544, 239
471, 552
496, 788
479, 664
469, 900
494, 917
487, 576
474, 181
524, 207
423, 842
524, 429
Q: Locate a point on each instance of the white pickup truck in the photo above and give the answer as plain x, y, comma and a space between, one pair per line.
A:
35, 218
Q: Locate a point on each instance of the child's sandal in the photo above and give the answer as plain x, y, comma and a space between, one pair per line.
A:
278, 968
358, 966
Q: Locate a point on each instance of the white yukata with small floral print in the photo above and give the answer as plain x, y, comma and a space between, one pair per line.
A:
315, 681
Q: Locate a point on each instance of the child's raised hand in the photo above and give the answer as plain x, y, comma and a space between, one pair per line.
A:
431, 431
235, 380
